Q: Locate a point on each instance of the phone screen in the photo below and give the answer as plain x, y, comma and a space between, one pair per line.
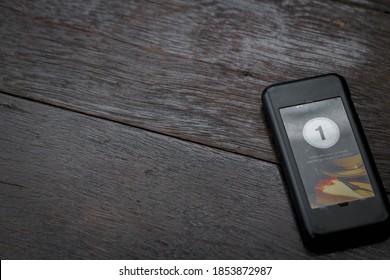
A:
326, 152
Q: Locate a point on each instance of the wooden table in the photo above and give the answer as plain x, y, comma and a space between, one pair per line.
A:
134, 129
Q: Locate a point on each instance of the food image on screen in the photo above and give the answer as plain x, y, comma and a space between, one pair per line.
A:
326, 152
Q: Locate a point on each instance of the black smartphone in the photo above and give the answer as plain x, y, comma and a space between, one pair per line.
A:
333, 181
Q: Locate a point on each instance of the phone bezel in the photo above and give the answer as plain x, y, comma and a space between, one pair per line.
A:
334, 218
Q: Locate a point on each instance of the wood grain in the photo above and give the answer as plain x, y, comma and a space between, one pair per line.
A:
73, 186
378, 5
195, 71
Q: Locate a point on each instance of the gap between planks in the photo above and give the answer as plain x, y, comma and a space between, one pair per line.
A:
106, 118
102, 117
375, 8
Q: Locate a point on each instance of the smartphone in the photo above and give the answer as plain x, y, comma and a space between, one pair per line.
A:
333, 181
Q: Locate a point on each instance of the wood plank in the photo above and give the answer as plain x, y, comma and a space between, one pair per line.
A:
195, 70
74, 186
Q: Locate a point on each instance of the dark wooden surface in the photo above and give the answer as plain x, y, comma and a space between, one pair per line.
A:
134, 129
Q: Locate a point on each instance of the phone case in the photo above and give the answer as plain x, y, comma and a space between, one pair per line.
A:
337, 225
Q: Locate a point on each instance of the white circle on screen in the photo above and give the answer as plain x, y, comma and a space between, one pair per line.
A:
321, 132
